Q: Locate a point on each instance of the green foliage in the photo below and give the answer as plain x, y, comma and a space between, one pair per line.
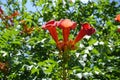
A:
34, 56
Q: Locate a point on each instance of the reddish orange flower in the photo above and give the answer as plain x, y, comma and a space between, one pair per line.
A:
118, 30
3, 67
60, 45
66, 46
117, 18
70, 45
8, 17
15, 14
1, 11
27, 29
66, 25
85, 30
51, 27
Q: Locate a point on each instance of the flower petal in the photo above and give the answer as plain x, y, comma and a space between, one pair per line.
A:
66, 33
85, 30
79, 36
66, 25
49, 24
51, 27
87, 27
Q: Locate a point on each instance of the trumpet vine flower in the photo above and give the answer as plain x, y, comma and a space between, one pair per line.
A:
117, 18
86, 29
15, 14
66, 25
66, 45
51, 27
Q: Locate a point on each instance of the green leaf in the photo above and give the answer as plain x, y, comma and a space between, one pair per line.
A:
92, 41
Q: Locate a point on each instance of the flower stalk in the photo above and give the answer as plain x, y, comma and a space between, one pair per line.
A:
65, 59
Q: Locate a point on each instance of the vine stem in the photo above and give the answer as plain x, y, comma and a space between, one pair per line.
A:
64, 73
65, 59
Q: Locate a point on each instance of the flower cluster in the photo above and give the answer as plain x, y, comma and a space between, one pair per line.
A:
27, 30
66, 25
8, 19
